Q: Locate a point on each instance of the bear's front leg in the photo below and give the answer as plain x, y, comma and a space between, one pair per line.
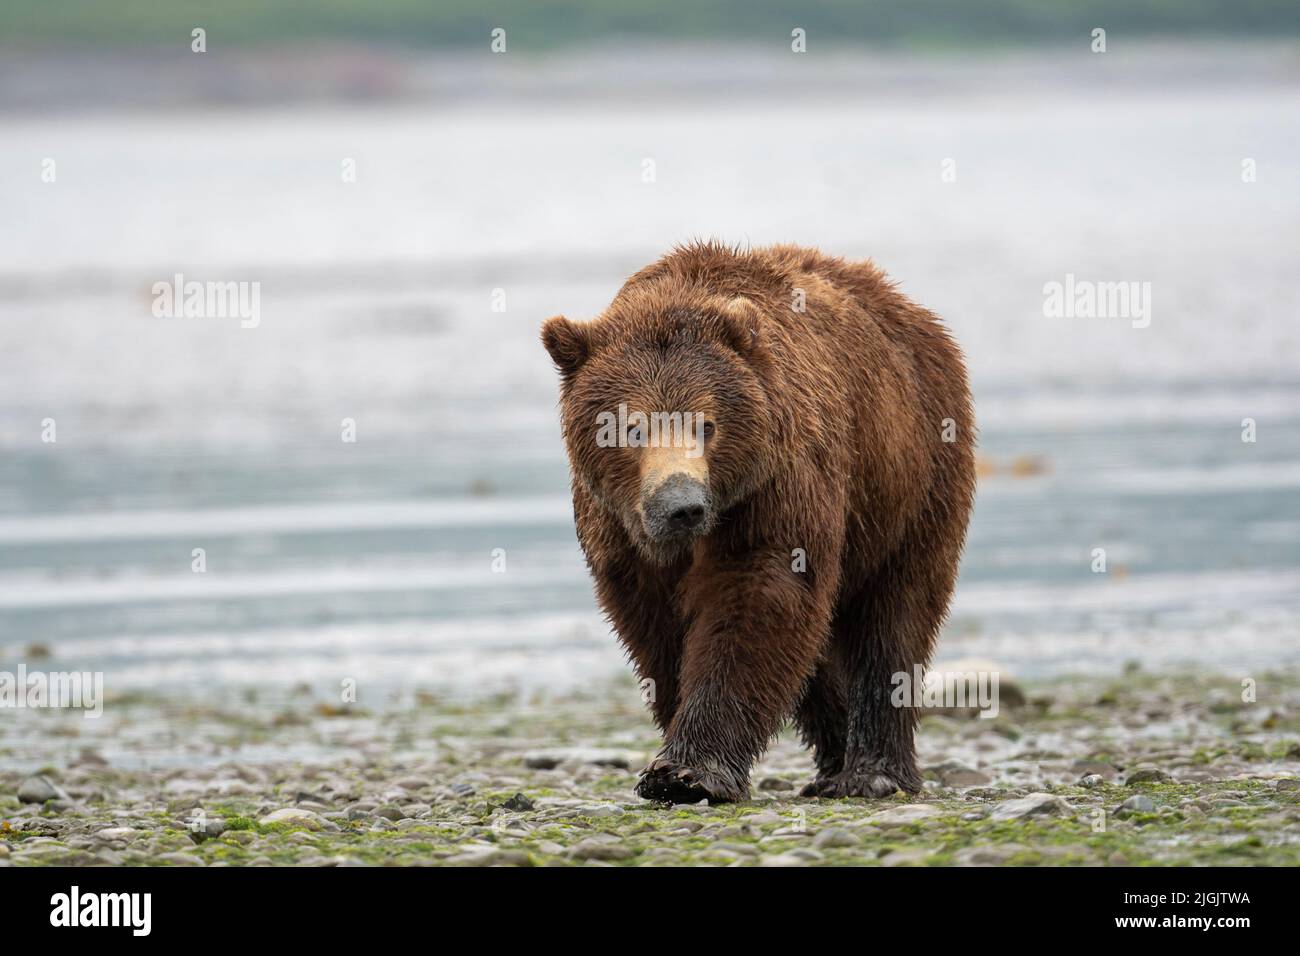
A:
757, 629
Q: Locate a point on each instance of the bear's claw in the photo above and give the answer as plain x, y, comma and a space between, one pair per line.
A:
666, 782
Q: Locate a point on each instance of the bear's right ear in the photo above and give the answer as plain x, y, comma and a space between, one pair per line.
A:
568, 342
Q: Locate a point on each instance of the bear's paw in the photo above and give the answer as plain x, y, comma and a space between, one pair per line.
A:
666, 781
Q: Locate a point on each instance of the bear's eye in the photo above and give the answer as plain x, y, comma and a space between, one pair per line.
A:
708, 429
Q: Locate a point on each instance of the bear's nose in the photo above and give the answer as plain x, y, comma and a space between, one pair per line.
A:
678, 506
686, 518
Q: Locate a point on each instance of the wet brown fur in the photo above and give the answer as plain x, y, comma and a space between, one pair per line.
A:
829, 439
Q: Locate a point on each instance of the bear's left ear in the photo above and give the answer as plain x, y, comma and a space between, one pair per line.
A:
569, 344
743, 325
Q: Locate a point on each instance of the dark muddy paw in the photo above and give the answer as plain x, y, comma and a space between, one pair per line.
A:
667, 782
871, 784
874, 786
821, 787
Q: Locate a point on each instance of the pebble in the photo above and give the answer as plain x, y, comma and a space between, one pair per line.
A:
39, 789
743, 849
1036, 804
836, 838
1147, 775
954, 774
179, 859
206, 828
296, 816
591, 849
118, 833
905, 857
905, 815
988, 855
1137, 804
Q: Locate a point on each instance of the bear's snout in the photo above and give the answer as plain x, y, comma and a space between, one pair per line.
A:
678, 507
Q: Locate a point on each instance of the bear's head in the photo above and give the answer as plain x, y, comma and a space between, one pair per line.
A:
666, 410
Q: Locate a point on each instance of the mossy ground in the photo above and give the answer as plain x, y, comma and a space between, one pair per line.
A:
432, 782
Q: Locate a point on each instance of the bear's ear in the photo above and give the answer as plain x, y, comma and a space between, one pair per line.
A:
568, 342
743, 326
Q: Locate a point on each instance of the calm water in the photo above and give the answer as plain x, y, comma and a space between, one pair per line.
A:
373, 560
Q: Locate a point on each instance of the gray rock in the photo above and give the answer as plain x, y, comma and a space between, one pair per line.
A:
1091, 780
807, 853
905, 857
740, 849
836, 838
1147, 775
1137, 804
953, 773
296, 816
39, 789
592, 849
775, 783
1036, 804
118, 833
905, 815
205, 827
987, 855
179, 859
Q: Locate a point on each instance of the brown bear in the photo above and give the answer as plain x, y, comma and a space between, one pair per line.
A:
786, 539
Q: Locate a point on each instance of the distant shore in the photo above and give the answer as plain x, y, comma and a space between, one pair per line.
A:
88, 79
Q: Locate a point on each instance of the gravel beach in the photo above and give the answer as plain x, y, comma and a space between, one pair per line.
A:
1170, 769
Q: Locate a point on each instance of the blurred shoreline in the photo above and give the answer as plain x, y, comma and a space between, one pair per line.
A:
94, 79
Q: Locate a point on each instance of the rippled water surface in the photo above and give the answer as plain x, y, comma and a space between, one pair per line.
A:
373, 560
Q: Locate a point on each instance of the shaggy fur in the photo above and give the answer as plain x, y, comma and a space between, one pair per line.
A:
836, 511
